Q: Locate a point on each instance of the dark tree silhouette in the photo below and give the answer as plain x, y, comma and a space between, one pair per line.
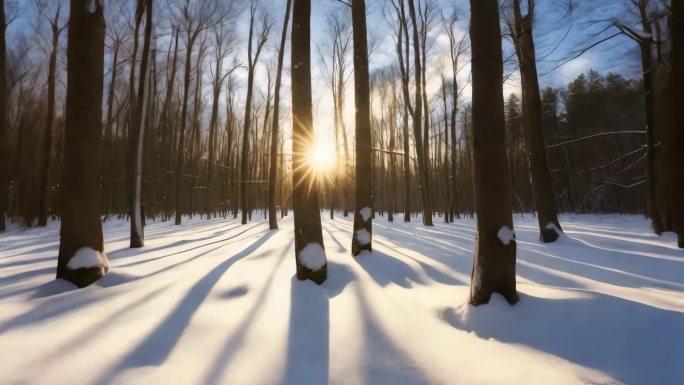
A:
363, 218
82, 260
494, 261
309, 249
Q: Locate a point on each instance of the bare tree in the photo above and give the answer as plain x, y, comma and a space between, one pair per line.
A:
273, 169
309, 250
494, 261
81, 259
544, 198
363, 224
257, 35
677, 88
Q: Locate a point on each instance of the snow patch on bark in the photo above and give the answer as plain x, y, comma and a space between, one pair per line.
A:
86, 257
312, 256
365, 213
506, 235
363, 236
477, 280
552, 226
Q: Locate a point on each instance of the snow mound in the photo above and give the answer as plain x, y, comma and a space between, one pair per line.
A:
86, 257
506, 235
312, 256
365, 213
363, 236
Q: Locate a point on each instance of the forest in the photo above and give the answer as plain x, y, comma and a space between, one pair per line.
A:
437, 170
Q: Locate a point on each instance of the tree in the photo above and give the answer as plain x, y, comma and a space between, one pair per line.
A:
273, 169
137, 130
677, 88
4, 121
252, 60
494, 261
423, 168
82, 260
363, 224
309, 250
547, 215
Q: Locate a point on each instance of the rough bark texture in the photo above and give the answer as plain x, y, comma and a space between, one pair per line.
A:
4, 137
275, 133
363, 222
677, 87
547, 214
307, 216
494, 261
81, 226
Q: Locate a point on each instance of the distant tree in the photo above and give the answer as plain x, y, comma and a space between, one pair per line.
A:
677, 87
309, 250
275, 132
82, 260
363, 218
494, 261
259, 35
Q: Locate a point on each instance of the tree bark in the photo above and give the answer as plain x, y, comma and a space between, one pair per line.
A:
544, 198
494, 261
677, 88
307, 216
4, 121
81, 227
363, 223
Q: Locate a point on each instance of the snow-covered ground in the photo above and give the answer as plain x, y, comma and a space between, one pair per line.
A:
213, 302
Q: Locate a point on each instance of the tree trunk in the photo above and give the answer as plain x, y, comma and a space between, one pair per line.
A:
544, 198
494, 261
309, 250
4, 121
82, 260
423, 169
677, 87
275, 133
363, 224
138, 131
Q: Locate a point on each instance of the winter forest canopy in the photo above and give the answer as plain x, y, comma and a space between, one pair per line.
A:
409, 156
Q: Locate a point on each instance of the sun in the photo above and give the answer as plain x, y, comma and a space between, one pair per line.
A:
321, 158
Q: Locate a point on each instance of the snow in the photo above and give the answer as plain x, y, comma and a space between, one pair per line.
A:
365, 213
91, 5
312, 256
86, 257
506, 235
363, 236
214, 302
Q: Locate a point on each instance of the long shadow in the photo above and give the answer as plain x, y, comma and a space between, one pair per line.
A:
182, 242
155, 349
30, 261
308, 345
632, 342
26, 275
383, 361
233, 344
385, 269
340, 246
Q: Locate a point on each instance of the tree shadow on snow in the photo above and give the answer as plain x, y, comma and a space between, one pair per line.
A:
156, 348
632, 342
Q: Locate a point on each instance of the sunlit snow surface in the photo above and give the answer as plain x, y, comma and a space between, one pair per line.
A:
214, 302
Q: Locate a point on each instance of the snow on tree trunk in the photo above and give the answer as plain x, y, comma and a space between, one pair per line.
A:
307, 216
81, 226
544, 197
494, 261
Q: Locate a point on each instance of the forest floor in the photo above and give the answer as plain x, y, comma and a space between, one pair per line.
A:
214, 302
